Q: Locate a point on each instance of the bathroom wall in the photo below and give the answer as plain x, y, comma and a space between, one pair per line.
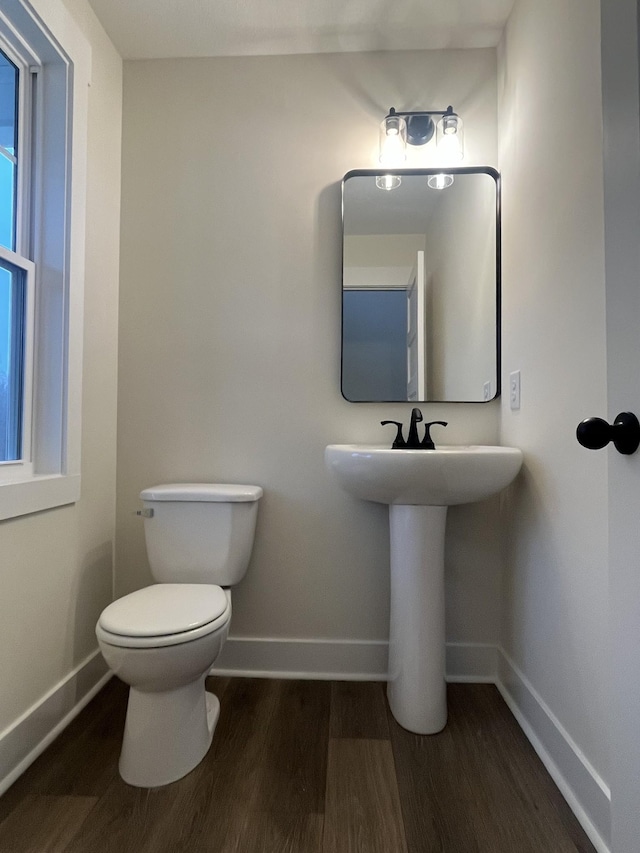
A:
555, 593
57, 566
230, 326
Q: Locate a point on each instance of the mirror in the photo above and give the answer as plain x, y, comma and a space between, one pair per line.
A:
421, 285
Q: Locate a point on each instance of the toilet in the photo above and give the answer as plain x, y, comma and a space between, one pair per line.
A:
163, 640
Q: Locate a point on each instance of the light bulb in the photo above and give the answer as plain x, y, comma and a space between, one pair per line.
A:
388, 182
393, 141
450, 138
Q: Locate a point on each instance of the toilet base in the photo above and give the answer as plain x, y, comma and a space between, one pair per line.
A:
167, 734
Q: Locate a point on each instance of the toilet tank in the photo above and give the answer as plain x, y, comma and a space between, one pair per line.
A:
200, 532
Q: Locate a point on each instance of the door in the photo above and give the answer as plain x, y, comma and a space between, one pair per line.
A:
621, 108
417, 332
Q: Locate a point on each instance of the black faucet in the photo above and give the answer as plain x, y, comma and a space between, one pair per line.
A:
413, 442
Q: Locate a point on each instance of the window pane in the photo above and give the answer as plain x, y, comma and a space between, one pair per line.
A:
7, 203
12, 322
8, 150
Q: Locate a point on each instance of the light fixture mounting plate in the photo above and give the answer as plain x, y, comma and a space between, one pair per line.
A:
420, 129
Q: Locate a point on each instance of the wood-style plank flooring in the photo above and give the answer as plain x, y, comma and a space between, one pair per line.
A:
299, 767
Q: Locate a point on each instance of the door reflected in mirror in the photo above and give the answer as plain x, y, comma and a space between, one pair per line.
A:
421, 285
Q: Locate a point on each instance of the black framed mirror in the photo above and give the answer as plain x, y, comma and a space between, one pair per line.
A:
421, 285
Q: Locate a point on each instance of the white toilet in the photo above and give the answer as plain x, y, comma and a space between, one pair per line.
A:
163, 640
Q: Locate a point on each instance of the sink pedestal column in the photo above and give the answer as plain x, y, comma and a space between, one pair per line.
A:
416, 687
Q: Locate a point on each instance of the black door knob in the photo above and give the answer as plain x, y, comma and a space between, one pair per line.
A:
595, 433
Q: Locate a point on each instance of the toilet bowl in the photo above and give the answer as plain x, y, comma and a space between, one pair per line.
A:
163, 640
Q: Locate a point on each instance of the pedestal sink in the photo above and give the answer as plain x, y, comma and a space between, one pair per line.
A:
419, 485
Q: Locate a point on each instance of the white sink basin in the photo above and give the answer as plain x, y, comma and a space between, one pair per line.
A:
442, 477
419, 485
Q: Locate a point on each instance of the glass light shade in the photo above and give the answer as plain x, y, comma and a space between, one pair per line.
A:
440, 181
450, 138
393, 141
388, 182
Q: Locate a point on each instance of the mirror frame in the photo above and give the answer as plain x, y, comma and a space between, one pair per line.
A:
458, 170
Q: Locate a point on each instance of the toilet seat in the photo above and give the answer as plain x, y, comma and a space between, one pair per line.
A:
164, 615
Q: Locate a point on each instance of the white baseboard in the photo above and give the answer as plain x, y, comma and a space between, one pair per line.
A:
269, 657
581, 785
341, 660
30, 734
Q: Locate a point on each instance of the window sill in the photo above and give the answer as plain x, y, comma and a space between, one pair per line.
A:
37, 494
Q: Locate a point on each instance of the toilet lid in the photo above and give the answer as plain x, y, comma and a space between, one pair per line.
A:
164, 609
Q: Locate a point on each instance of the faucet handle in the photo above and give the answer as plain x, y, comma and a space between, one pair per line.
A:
427, 441
398, 442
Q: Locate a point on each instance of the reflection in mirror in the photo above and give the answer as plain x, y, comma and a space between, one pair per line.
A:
421, 284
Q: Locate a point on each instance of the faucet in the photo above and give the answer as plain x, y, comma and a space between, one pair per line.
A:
413, 442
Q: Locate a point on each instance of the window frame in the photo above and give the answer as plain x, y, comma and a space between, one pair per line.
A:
51, 224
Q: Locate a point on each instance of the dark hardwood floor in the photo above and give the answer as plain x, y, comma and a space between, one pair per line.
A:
299, 767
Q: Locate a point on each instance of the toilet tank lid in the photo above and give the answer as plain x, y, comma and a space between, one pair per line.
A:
205, 492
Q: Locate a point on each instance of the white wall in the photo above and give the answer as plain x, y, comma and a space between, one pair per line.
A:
56, 567
230, 322
550, 142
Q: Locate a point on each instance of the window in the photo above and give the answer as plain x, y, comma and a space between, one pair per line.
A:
44, 77
16, 270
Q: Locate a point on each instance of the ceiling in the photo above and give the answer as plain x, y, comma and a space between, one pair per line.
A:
151, 29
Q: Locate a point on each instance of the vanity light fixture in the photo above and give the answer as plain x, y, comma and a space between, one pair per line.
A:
416, 128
